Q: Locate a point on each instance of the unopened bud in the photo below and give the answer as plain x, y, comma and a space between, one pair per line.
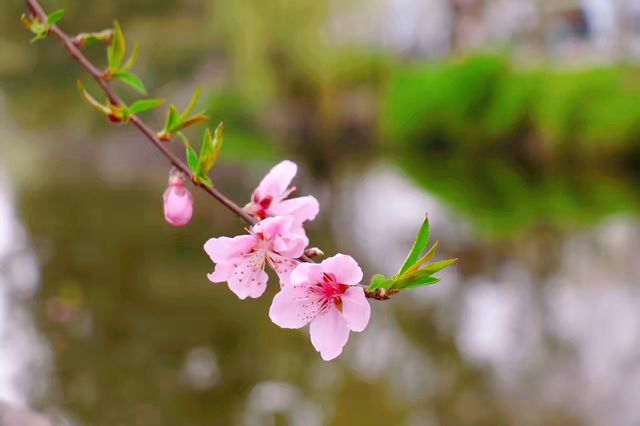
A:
178, 201
313, 252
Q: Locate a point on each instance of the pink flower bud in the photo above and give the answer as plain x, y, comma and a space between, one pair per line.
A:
178, 202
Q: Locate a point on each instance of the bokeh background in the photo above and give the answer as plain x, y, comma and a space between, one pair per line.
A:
514, 123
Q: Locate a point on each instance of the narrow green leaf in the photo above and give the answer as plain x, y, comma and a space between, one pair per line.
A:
55, 17
422, 239
210, 150
194, 119
192, 104
218, 141
144, 105
39, 37
190, 153
439, 266
192, 159
424, 259
414, 280
379, 281
422, 282
132, 59
38, 27
205, 160
173, 120
115, 52
131, 80
91, 100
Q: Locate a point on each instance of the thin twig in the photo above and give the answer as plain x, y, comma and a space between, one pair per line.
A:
36, 10
79, 57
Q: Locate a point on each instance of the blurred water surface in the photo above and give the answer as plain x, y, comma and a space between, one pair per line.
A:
125, 329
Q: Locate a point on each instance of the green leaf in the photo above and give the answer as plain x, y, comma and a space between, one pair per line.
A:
416, 279
192, 158
192, 104
438, 266
55, 17
205, 160
424, 259
144, 105
422, 239
176, 121
379, 281
115, 52
422, 282
218, 141
39, 36
36, 27
194, 119
131, 80
91, 100
173, 120
132, 59
190, 153
210, 151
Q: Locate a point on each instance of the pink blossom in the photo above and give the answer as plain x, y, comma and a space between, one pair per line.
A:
270, 197
326, 295
178, 201
240, 260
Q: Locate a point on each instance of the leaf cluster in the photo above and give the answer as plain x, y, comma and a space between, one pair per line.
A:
119, 113
118, 68
201, 164
39, 28
176, 121
416, 271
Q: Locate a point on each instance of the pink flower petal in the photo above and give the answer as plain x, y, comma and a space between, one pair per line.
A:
225, 249
306, 273
329, 333
301, 208
274, 226
275, 183
221, 273
293, 307
283, 267
248, 278
291, 245
344, 268
355, 308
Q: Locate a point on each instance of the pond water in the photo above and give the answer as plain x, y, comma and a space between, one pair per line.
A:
107, 318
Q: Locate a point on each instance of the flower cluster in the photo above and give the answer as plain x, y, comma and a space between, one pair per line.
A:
327, 295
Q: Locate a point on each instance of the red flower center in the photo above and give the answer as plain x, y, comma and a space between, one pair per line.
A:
261, 206
331, 290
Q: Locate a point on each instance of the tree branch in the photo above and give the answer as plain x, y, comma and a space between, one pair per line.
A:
37, 11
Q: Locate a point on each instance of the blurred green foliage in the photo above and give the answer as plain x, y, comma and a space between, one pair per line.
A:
483, 102
515, 148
